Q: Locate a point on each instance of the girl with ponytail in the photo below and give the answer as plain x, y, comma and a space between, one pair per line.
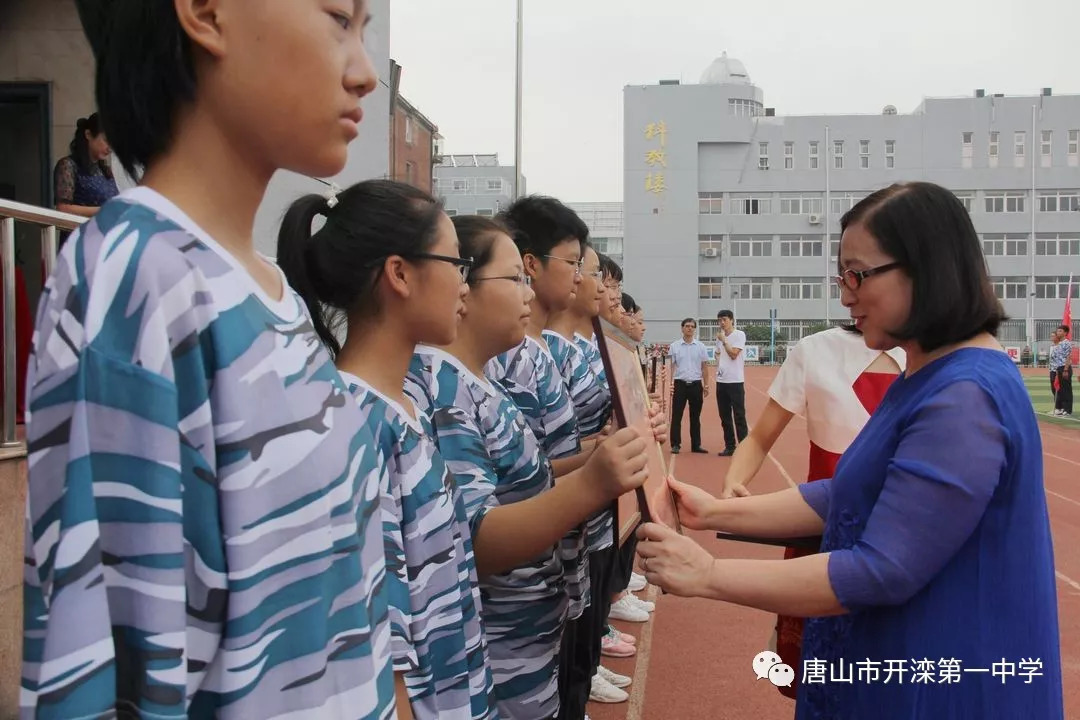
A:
381, 274
203, 533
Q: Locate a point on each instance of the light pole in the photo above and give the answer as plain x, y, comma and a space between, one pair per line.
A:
517, 98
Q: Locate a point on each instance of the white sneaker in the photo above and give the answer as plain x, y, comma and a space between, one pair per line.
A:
604, 692
626, 609
643, 604
637, 583
619, 681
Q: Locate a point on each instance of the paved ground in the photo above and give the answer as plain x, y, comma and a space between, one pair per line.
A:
695, 656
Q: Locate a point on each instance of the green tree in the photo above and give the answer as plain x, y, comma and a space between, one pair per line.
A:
759, 334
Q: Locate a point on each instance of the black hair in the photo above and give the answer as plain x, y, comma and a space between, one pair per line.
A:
540, 223
1066, 328
335, 269
476, 238
80, 146
929, 232
144, 74
610, 268
726, 314
628, 303
688, 320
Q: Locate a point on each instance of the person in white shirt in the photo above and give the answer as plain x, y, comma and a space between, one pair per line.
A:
691, 360
730, 391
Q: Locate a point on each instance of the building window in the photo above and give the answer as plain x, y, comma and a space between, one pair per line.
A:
710, 288
800, 205
890, 154
744, 108
750, 205
1019, 141
813, 155
789, 156
410, 173
611, 245
1046, 147
450, 212
864, 154
967, 198
750, 246
840, 203
1055, 288
751, 288
838, 154
708, 245
1005, 245
1059, 201
834, 291
710, 203
1074, 147
485, 212
461, 186
763, 156
1007, 202
1010, 288
495, 185
1057, 244
995, 144
834, 248
409, 132
801, 289
799, 246
967, 149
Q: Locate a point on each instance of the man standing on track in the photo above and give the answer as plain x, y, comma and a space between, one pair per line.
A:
730, 388
691, 360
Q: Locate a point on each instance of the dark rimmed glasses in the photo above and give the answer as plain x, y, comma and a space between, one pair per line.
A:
464, 265
853, 279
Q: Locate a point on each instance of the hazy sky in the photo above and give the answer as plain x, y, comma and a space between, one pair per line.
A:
809, 57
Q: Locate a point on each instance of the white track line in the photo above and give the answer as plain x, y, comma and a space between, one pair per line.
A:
1066, 499
1058, 457
1067, 580
641, 668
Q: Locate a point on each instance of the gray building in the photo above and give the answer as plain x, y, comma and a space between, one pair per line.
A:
474, 184
605, 223
729, 205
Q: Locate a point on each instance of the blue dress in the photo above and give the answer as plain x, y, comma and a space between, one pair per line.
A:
940, 549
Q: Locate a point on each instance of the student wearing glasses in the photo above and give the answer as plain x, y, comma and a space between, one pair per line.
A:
517, 512
385, 268
935, 536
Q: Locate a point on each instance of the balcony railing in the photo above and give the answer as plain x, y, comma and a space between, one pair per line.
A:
50, 222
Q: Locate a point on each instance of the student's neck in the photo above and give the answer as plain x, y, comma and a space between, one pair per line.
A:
563, 323
213, 182
379, 354
538, 321
470, 349
584, 327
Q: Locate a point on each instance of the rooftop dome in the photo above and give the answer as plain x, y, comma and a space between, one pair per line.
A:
726, 71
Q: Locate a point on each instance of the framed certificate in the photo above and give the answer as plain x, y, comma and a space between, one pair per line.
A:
653, 501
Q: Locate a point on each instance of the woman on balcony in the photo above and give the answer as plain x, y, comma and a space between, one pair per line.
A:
84, 179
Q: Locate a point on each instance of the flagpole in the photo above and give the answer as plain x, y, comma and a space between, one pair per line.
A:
517, 98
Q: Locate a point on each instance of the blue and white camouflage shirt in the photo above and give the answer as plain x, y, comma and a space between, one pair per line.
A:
496, 460
203, 529
592, 403
531, 378
437, 638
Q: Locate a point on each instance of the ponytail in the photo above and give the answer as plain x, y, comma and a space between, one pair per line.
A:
294, 257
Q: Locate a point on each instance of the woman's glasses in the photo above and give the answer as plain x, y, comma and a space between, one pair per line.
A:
520, 279
853, 279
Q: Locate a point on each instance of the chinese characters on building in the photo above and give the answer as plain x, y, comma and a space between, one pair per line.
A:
914, 672
656, 158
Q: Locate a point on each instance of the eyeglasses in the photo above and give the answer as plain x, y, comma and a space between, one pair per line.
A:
576, 263
520, 279
464, 265
597, 275
853, 279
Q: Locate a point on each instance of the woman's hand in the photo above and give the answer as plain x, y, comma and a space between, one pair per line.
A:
695, 506
672, 561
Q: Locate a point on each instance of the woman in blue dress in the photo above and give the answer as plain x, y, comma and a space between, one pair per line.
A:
934, 592
83, 181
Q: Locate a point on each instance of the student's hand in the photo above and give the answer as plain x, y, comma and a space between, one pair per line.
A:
734, 490
659, 424
619, 464
705, 388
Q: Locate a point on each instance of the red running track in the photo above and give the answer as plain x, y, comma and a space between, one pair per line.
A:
694, 655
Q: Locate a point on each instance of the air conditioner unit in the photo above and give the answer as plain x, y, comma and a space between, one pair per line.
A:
710, 252
814, 219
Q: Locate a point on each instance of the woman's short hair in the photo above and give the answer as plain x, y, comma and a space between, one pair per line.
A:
928, 231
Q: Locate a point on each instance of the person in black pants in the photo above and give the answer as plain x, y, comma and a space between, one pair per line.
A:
691, 362
730, 387
1061, 372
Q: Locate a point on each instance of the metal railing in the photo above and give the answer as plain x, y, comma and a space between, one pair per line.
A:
49, 221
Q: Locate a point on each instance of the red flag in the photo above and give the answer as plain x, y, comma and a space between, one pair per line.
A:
1066, 319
